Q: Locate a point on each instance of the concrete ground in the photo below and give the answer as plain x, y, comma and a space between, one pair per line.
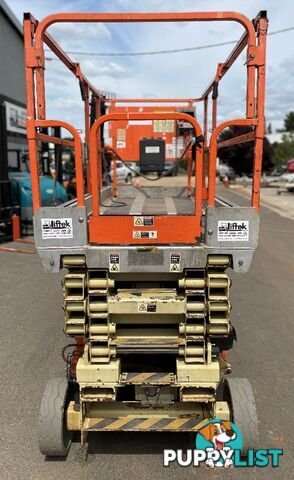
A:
282, 204
31, 342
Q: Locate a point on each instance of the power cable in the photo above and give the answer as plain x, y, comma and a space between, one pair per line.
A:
161, 52
164, 174
114, 203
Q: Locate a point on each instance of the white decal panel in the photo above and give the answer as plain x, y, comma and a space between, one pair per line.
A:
56, 228
233, 231
114, 262
175, 260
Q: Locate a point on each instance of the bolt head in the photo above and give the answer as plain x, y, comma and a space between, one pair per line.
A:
240, 262
81, 220
210, 231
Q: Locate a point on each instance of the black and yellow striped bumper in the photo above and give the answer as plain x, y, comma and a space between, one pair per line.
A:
139, 423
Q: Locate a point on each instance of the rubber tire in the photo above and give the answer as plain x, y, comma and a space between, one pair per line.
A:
54, 438
238, 393
129, 178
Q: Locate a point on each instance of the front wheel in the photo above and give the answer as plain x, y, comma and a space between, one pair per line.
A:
239, 395
54, 438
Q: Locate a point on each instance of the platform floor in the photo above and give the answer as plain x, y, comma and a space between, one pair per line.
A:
149, 201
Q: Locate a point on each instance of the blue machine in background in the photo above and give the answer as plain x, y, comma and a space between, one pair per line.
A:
52, 193
56, 167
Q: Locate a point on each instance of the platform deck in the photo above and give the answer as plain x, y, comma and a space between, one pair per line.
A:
149, 201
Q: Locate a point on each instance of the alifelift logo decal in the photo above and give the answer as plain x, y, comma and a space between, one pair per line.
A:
219, 445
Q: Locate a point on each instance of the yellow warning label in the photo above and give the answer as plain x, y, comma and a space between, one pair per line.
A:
163, 126
121, 134
114, 265
144, 234
175, 259
114, 268
174, 268
143, 221
142, 307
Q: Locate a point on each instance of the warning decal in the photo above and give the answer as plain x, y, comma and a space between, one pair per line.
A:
145, 234
163, 126
56, 228
146, 307
170, 150
120, 144
175, 259
121, 134
233, 231
114, 264
143, 221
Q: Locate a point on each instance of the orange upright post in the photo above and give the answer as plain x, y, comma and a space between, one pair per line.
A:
15, 220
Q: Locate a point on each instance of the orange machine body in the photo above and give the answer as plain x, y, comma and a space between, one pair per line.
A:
125, 136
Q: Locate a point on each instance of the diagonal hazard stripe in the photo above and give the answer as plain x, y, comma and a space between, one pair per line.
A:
124, 422
190, 424
148, 423
102, 423
160, 424
145, 424
160, 377
138, 377
149, 378
133, 424
175, 424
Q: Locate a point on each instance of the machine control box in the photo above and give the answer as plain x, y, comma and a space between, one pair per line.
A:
152, 155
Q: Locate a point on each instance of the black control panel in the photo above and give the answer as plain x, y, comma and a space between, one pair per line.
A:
152, 155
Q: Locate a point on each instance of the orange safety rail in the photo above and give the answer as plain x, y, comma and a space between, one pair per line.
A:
170, 229
173, 229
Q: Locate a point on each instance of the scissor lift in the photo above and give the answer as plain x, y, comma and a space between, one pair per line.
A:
146, 293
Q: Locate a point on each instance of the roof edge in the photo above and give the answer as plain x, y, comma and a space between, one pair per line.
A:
11, 17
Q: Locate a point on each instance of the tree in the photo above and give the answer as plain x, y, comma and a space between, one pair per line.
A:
289, 122
284, 151
240, 156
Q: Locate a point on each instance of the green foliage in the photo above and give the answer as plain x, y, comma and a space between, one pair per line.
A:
284, 151
289, 122
240, 156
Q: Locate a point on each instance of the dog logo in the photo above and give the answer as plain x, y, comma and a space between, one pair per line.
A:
220, 439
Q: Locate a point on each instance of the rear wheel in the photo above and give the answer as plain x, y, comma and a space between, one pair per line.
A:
54, 438
129, 178
239, 395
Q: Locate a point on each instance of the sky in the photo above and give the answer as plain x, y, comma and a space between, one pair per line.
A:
185, 74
